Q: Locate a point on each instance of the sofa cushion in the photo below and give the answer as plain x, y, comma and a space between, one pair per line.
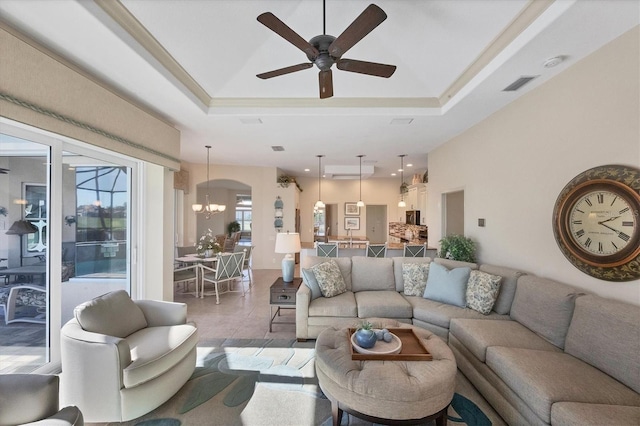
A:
451, 264
397, 268
440, 314
414, 276
604, 333
113, 314
343, 305
580, 414
544, 306
384, 304
447, 286
155, 350
542, 378
309, 279
507, 286
344, 263
371, 273
482, 291
478, 335
329, 278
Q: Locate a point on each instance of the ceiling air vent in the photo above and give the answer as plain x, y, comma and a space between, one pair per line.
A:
518, 83
277, 148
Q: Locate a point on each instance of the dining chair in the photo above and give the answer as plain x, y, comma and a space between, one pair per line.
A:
185, 250
229, 245
415, 250
228, 268
377, 250
247, 262
327, 249
183, 274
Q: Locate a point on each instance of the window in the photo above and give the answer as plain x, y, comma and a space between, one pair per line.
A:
243, 217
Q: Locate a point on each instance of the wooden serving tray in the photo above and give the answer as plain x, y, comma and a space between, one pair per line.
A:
413, 348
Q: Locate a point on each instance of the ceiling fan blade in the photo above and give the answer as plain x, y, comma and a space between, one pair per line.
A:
286, 70
369, 68
326, 84
363, 25
270, 21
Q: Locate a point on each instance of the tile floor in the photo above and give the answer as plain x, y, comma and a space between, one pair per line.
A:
22, 344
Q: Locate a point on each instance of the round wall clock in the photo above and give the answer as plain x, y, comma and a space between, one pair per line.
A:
596, 222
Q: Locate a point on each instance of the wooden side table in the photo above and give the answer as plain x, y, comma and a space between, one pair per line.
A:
283, 296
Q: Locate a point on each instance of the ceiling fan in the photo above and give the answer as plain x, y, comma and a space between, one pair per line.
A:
325, 50
4, 171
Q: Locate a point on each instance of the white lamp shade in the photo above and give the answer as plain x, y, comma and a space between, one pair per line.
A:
402, 204
288, 243
319, 204
196, 207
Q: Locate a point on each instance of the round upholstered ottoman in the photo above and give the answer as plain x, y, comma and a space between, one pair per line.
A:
386, 392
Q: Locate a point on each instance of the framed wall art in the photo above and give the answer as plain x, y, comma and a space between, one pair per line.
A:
352, 223
351, 209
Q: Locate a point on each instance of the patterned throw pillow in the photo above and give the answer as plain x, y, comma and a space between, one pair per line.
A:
329, 278
414, 276
482, 291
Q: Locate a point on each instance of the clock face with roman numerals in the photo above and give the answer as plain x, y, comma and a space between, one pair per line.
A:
602, 222
597, 222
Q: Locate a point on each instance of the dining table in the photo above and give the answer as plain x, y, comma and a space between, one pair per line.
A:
191, 259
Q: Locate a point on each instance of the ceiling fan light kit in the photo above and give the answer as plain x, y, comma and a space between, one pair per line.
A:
325, 50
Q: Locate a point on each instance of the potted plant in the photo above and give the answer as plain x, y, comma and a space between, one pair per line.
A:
365, 335
233, 227
457, 247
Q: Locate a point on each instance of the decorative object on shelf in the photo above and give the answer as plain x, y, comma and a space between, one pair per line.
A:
208, 208
596, 222
425, 177
403, 185
416, 179
288, 244
208, 245
365, 336
319, 204
284, 181
278, 205
360, 203
22, 227
351, 209
352, 223
458, 247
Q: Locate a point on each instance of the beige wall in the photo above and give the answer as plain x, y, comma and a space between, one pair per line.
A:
374, 191
513, 165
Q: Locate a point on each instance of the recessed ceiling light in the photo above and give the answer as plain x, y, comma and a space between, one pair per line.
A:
307, 170
250, 121
393, 174
401, 121
409, 165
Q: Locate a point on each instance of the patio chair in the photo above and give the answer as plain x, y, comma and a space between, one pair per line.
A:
228, 269
247, 262
377, 250
415, 250
327, 249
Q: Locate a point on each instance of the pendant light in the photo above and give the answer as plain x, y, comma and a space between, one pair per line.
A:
319, 204
360, 203
401, 203
208, 209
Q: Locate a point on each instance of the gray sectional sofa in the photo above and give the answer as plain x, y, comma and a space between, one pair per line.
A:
548, 353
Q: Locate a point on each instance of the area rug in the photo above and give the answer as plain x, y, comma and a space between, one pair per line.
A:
273, 382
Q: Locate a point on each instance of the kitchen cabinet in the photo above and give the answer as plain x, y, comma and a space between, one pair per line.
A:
411, 198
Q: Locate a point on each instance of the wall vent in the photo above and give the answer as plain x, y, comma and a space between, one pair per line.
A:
277, 148
518, 83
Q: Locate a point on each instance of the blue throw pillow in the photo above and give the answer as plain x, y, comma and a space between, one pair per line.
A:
447, 286
311, 282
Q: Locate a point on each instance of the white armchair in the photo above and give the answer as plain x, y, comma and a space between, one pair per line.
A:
32, 399
122, 358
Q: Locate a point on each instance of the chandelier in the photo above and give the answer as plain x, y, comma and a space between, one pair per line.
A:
208, 208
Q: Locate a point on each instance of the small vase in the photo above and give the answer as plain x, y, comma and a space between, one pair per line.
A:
366, 338
208, 253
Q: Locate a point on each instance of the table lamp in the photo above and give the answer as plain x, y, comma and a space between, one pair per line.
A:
22, 227
288, 243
